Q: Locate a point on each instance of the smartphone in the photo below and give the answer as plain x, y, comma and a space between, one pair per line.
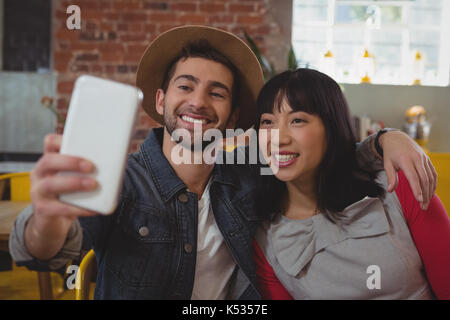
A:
99, 124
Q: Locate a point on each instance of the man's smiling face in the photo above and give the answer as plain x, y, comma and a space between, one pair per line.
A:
199, 95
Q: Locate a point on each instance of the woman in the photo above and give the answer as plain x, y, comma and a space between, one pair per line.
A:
331, 231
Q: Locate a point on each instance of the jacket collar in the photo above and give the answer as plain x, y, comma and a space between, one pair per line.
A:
164, 177
158, 167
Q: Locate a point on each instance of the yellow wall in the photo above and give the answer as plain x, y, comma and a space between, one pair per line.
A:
441, 162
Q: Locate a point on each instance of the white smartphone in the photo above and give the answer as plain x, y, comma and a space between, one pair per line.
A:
98, 128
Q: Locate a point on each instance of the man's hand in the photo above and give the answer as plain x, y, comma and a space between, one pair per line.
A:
403, 153
47, 229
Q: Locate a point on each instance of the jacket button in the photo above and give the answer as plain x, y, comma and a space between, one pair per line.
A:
143, 231
183, 198
188, 247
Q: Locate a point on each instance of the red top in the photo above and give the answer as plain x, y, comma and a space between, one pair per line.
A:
430, 231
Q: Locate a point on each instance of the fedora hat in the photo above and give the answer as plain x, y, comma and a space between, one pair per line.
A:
167, 46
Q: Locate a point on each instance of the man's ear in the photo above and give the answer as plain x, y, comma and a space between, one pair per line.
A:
232, 121
160, 101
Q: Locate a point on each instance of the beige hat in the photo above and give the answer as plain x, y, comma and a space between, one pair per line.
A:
160, 53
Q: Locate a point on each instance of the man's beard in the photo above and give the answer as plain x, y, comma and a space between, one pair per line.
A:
170, 122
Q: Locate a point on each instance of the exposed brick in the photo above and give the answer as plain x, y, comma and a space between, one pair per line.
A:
165, 27
106, 26
122, 68
155, 5
193, 18
133, 57
133, 48
66, 34
112, 16
241, 8
162, 17
151, 28
92, 36
111, 56
95, 15
111, 35
91, 5
146, 121
97, 68
212, 7
136, 27
122, 27
65, 87
250, 19
183, 6
82, 46
87, 57
140, 134
130, 17
109, 46
109, 68
79, 68
213, 19
133, 37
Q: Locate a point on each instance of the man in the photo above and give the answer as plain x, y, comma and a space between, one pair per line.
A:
180, 231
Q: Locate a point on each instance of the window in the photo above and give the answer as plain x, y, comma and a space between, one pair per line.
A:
26, 35
25, 77
403, 40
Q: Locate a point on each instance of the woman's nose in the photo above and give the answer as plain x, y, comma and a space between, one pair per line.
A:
284, 136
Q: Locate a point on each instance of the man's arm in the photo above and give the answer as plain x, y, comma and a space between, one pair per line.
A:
400, 152
46, 230
70, 250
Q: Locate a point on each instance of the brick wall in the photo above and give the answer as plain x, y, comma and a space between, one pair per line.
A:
114, 34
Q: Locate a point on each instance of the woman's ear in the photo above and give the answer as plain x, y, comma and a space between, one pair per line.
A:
160, 101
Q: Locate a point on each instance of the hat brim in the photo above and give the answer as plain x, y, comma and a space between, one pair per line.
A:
161, 52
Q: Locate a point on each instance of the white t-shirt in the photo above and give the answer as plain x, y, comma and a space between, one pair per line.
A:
215, 264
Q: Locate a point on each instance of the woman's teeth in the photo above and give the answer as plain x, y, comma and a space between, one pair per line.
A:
189, 119
285, 157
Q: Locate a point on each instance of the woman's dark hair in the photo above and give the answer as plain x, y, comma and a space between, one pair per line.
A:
340, 182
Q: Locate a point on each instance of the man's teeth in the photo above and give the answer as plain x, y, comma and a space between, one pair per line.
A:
285, 157
189, 119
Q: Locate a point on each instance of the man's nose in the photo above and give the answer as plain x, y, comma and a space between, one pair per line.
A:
198, 99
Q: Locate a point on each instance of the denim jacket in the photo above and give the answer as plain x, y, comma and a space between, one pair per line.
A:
147, 248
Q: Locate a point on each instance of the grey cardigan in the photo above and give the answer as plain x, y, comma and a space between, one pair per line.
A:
364, 252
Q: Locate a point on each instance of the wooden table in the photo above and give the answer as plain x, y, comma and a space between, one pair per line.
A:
9, 210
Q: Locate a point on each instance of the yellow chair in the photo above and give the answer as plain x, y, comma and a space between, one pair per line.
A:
441, 162
20, 185
84, 276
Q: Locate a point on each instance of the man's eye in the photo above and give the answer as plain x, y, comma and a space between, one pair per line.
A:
185, 88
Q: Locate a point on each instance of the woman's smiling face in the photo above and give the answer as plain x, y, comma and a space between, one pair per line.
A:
301, 146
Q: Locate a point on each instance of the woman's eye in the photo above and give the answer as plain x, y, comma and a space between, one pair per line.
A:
265, 122
298, 120
217, 95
